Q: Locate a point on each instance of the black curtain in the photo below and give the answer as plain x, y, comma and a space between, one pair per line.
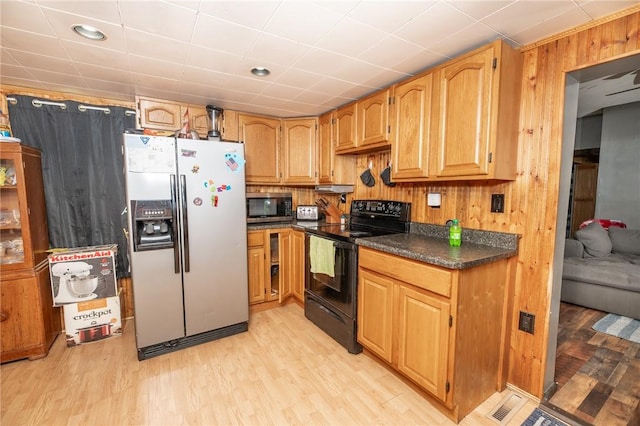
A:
83, 174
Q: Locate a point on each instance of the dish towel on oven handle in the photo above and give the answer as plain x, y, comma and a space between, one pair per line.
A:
322, 255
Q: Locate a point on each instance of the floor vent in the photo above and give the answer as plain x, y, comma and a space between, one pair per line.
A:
507, 408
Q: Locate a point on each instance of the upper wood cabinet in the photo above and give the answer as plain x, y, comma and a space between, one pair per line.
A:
332, 168
373, 121
158, 114
479, 98
299, 151
261, 138
229, 131
411, 129
345, 128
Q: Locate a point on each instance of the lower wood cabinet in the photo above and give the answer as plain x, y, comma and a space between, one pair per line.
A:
28, 321
440, 328
275, 265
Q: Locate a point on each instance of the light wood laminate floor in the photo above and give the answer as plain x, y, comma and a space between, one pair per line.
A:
283, 371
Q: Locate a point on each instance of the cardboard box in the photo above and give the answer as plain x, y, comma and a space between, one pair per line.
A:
85, 273
93, 320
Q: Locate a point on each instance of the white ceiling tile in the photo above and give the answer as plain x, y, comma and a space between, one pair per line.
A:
321, 62
153, 46
280, 91
599, 8
25, 16
110, 86
253, 14
42, 62
312, 97
105, 11
147, 80
85, 53
341, 7
298, 78
473, 36
524, 14
97, 72
224, 36
15, 71
360, 37
302, 22
72, 80
7, 58
571, 18
34, 43
479, 9
390, 51
158, 68
422, 60
277, 50
62, 24
431, 26
135, 15
333, 86
389, 16
201, 57
384, 78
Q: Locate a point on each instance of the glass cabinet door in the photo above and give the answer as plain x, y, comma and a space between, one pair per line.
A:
11, 244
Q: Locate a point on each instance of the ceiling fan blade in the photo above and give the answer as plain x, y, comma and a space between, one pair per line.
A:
618, 75
622, 91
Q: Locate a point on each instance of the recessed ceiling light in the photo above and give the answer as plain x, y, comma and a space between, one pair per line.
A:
260, 71
87, 31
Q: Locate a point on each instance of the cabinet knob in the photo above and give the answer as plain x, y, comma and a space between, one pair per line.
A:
3, 316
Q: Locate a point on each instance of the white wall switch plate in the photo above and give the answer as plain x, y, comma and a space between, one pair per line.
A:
433, 199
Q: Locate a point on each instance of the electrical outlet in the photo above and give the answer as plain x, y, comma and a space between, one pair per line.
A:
527, 322
497, 203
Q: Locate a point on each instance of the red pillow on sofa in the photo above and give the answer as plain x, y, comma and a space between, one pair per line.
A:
605, 223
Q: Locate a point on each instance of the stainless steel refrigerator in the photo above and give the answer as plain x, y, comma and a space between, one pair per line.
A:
187, 241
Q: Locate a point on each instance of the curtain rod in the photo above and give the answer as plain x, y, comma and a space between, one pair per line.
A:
38, 103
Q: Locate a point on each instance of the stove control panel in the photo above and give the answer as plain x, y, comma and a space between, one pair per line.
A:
373, 208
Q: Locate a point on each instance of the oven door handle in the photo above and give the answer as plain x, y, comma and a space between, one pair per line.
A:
343, 245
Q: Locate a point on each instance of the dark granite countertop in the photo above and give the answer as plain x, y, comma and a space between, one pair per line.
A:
429, 244
299, 225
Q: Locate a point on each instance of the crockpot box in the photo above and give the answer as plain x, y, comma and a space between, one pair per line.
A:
94, 263
93, 320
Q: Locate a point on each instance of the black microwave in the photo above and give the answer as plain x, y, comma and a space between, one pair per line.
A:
269, 207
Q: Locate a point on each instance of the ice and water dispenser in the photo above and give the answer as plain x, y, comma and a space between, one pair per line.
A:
153, 224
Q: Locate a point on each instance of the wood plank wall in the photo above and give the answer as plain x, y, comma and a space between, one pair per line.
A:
531, 201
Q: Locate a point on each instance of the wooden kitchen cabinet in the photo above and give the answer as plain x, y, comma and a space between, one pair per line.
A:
478, 114
345, 128
373, 121
160, 114
440, 328
229, 131
28, 322
299, 151
199, 119
261, 138
412, 129
258, 273
298, 258
332, 168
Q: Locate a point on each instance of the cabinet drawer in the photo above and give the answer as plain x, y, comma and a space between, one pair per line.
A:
431, 278
255, 238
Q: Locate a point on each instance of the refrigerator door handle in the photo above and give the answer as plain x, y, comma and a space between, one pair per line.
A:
174, 213
185, 220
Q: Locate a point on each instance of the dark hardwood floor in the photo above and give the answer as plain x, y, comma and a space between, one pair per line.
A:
598, 375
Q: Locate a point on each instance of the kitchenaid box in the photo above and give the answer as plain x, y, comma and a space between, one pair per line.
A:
82, 274
92, 320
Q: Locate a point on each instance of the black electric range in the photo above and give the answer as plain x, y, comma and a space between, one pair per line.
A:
331, 295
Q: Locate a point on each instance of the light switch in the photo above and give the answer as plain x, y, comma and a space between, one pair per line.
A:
433, 199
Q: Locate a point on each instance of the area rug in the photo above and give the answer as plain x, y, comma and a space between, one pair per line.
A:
619, 326
542, 418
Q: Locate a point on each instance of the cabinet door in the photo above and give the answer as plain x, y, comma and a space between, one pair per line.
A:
373, 120
411, 129
375, 313
199, 120
345, 128
423, 339
21, 325
325, 149
299, 151
256, 274
297, 264
229, 131
464, 127
286, 265
159, 114
261, 138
